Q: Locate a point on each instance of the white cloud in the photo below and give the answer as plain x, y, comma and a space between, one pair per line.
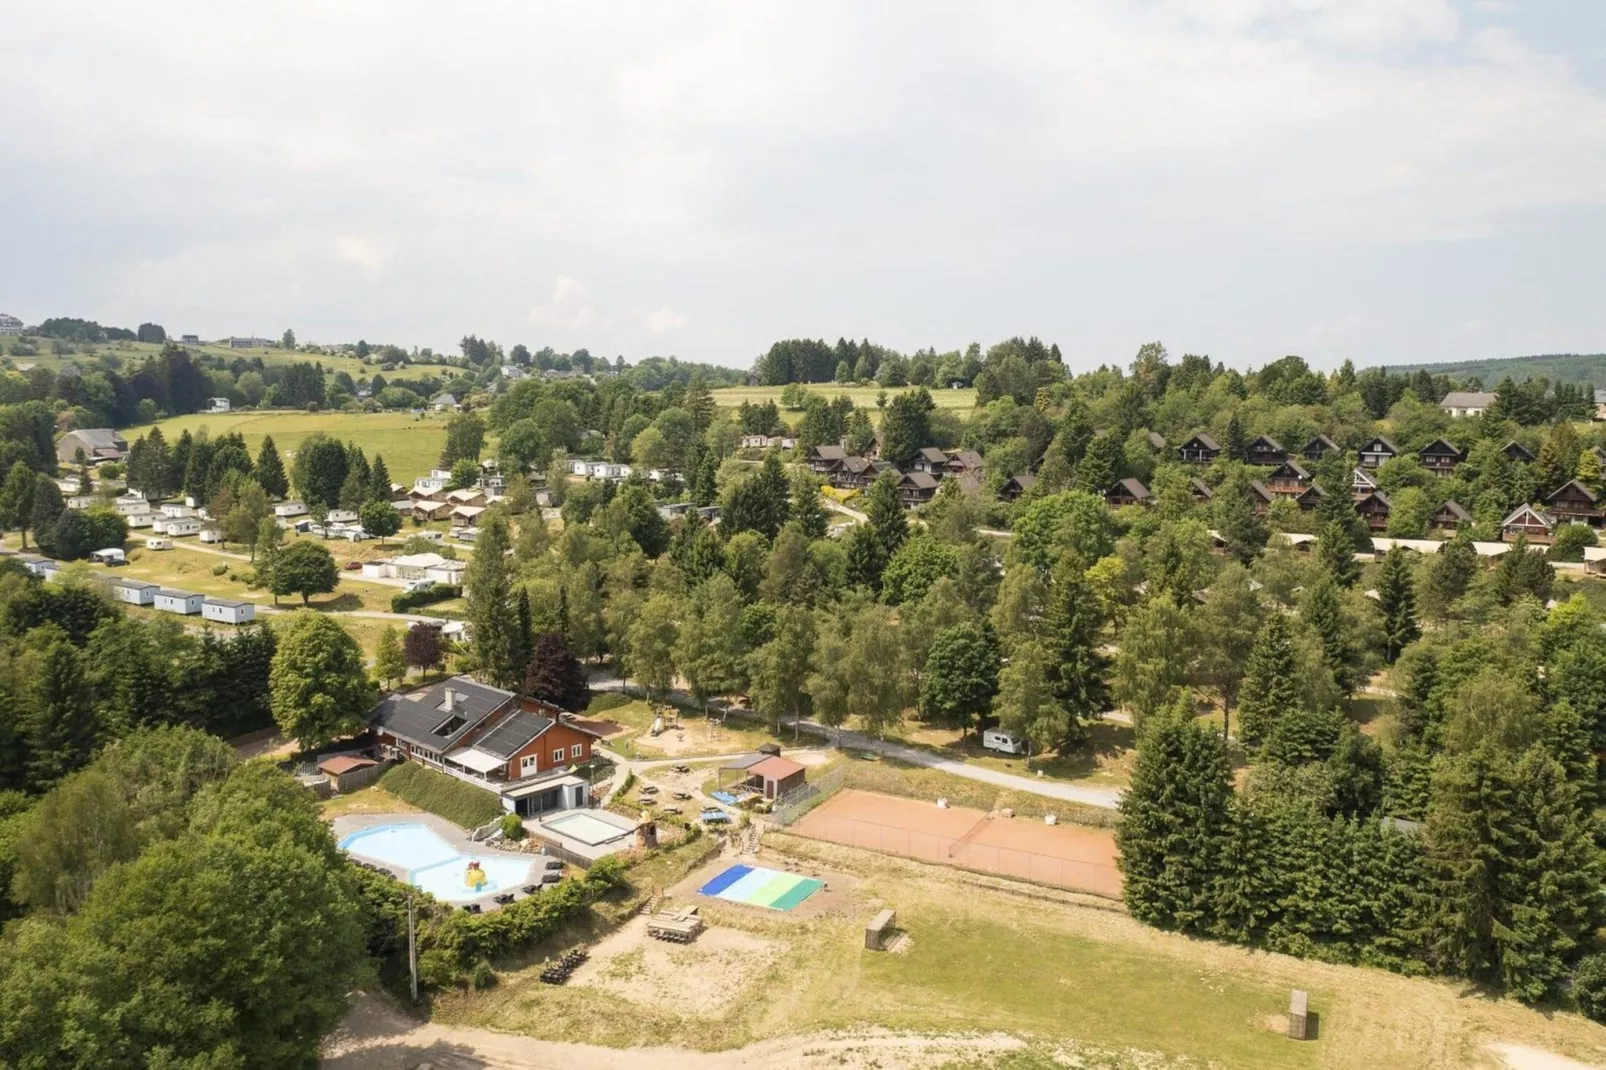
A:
920, 172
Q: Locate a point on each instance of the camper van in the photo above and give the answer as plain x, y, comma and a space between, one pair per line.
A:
158, 544
1000, 740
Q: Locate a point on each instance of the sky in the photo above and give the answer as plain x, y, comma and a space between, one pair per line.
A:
1378, 180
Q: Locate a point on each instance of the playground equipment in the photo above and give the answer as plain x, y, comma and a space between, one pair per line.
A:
475, 877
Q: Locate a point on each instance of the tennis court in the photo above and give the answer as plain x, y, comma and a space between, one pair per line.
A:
760, 887
1067, 856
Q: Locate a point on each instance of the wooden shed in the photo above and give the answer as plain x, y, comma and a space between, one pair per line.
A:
769, 774
347, 772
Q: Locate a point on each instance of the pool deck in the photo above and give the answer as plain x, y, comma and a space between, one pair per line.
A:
457, 837
592, 851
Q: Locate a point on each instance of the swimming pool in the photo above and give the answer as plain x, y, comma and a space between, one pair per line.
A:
432, 864
587, 828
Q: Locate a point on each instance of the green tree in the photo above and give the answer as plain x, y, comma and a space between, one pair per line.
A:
1155, 659
490, 611
887, 522
60, 727
1271, 685
1227, 624
265, 550
1074, 520
305, 568
918, 563
379, 519
906, 426
318, 683
269, 471
961, 677
1450, 574
465, 438
390, 663
1396, 595
709, 648
46, 509
875, 682
1322, 611
759, 502
554, 674
1074, 622
1335, 549
320, 470
1175, 821
779, 669
808, 506
652, 640
1241, 528
1025, 704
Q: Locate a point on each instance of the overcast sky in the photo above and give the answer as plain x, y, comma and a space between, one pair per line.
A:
1384, 180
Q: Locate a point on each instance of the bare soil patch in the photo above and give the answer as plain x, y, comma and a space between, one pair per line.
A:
700, 978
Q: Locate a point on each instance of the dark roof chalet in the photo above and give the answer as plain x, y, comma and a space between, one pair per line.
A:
1200, 488
1452, 508
1379, 444
1202, 441
919, 480
1319, 445
964, 459
1266, 444
513, 734
1376, 497
1259, 489
931, 455
1156, 440
427, 720
1290, 470
1132, 487
828, 453
1025, 481
1576, 488
1441, 447
1516, 451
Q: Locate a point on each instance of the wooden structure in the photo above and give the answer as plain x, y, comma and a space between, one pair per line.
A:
1572, 501
1451, 516
879, 930
1299, 1015
1535, 525
675, 926
1317, 448
1015, 486
1374, 509
1127, 491
1265, 451
1440, 457
1377, 451
1516, 451
1200, 449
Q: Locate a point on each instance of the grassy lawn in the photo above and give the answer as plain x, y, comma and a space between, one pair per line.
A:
410, 445
134, 353
1106, 762
191, 570
370, 800
980, 957
892, 777
864, 397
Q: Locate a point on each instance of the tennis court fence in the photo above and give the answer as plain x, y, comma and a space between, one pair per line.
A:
794, 804
1092, 877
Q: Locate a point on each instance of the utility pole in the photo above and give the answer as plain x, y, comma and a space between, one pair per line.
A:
412, 948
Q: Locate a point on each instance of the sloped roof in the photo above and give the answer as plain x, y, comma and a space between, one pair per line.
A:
1204, 440
514, 733
774, 767
1444, 442
932, 454
1585, 491
1132, 487
828, 453
1201, 488
1454, 508
1379, 440
1320, 441
1467, 399
920, 480
1266, 442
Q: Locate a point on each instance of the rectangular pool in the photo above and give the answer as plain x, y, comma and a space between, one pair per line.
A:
587, 828
431, 864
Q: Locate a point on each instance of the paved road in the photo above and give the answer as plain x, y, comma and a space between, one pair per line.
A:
1105, 798
836, 506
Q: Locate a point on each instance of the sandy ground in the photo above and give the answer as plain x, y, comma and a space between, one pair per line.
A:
377, 1036
700, 978
267, 743
1519, 1057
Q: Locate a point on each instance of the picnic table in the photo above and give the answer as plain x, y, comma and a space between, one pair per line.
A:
716, 817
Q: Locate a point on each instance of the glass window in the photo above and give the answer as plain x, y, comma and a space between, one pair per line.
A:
576, 751
557, 756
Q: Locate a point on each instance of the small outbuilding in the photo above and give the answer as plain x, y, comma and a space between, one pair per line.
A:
227, 611
768, 774
348, 772
181, 602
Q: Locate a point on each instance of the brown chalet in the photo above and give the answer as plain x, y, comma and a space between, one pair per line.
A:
1200, 489
520, 749
824, 460
1440, 457
1200, 449
857, 473
963, 461
1516, 451
1361, 483
1264, 452
1376, 451
1289, 477
916, 488
1127, 492
1535, 525
1015, 486
1317, 448
931, 460
1261, 496
1572, 501
1374, 509
1450, 517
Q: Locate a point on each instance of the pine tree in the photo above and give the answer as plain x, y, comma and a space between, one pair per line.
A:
16, 499
1237, 437
1335, 549
1075, 430
1074, 623
1244, 892
1322, 612
1271, 684
46, 509
490, 610
379, 480
702, 489
1241, 528
270, 475
1407, 781
808, 508
60, 724
1396, 595
523, 643
1470, 841
1099, 464
885, 511
1566, 736
1558, 458
1303, 736
1450, 574
1176, 819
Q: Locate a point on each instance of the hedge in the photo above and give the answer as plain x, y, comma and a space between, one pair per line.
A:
423, 596
460, 803
608, 700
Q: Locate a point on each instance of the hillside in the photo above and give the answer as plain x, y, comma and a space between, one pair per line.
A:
1557, 367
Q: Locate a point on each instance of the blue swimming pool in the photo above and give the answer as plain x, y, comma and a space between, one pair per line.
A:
432, 864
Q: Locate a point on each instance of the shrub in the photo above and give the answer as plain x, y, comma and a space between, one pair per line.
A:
460, 803
423, 596
512, 826
608, 700
218, 570
1589, 986
630, 782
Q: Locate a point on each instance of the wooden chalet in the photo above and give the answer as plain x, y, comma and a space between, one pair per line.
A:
1376, 451
1317, 448
1374, 509
1200, 449
916, 488
1440, 457
1127, 492
1450, 517
1265, 451
931, 460
1361, 483
1516, 451
962, 461
857, 473
825, 460
1156, 441
1200, 489
1535, 525
1261, 495
1309, 498
1015, 486
1572, 501
1289, 477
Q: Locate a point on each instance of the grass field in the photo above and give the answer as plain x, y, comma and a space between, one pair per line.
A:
982, 955
410, 445
864, 397
133, 353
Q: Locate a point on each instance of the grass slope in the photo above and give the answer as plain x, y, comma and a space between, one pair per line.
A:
1561, 367
134, 353
461, 804
410, 445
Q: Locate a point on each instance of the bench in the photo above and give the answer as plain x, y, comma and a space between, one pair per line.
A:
876, 933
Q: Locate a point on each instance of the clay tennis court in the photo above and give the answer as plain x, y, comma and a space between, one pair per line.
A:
1067, 856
